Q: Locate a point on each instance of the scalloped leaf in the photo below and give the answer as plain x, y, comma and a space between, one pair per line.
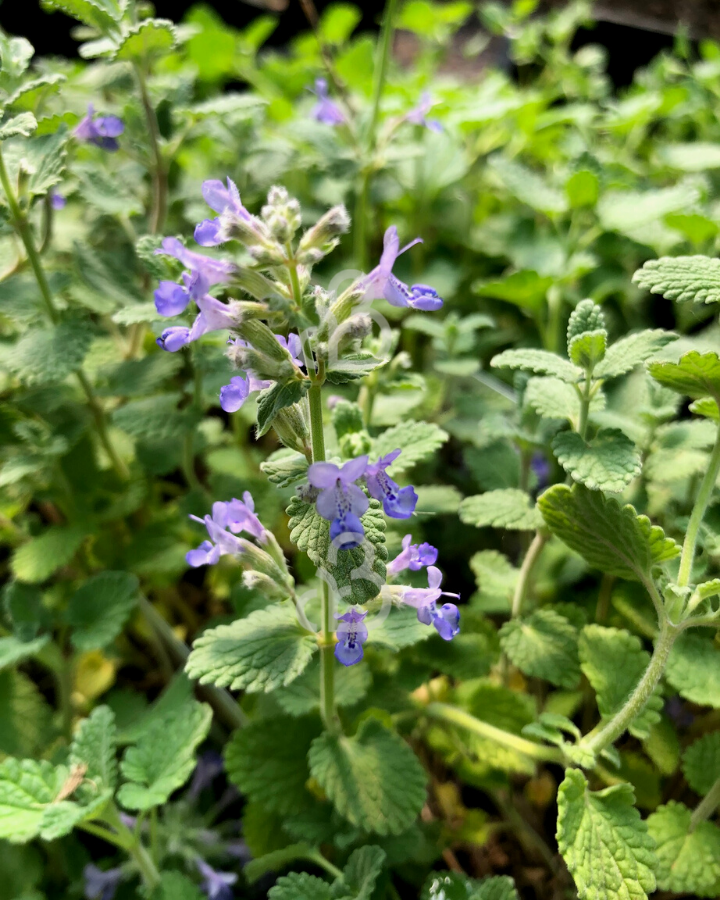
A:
588, 349
695, 374
693, 669
631, 351
148, 39
701, 762
505, 508
417, 440
608, 463
541, 361
688, 861
686, 278
543, 645
552, 398
611, 537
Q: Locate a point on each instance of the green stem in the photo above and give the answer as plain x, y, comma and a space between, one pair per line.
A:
604, 735
585, 407
360, 220
64, 679
126, 840
316, 422
696, 517
22, 226
319, 860
531, 557
706, 807
381, 67
159, 176
459, 717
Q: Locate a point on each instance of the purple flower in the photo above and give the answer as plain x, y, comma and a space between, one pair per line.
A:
418, 114
413, 557
446, 619
351, 634
213, 316
208, 767
57, 200
170, 298
174, 338
398, 503
216, 884
226, 201
326, 110
102, 131
341, 501
237, 516
233, 395
100, 885
541, 467
382, 283
293, 345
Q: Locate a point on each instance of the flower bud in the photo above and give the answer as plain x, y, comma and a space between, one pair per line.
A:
259, 336
268, 587
281, 214
357, 443
263, 367
324, 235
292, 429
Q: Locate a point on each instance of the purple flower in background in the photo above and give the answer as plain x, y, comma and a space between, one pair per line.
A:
541, 467
413, 557
326, 110
446, 619
382, 283
341, 501
102, 131
216, 884
100, 885
57, 200
398, 503
351, 634
226, 201
208, 767
418, 114
237, 516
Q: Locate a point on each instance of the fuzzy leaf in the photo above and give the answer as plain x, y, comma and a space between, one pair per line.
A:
556, 399
707, 407
41, 556
26, 787
13, 650
100, 14
630, 211
701, 762
303, 695
164, 757
285, 468
400, 628
51, 150
417, 440
507, 508
611, 537
541, 361
21, 125
604, 841
98, 610
267, 761
588, 349
267, 649
300, 886
695, 375
525, 289
152, 37
631, 351
47, 355
275, 398
614, 661
693, 669
544, 645
528, 186
95, 746
373, 778
176, 886
608, 463
356, 575
688, 861
587, 316
155, 418
456, 886
360, 873
496, 578
693, 278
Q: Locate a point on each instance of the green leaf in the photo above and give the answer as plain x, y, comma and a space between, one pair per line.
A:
24, 716
338, 22
176, 886
417, 440
543, 645
701, 762
582, 189
690, 157
155, 418
614, 661
303, 695
99, 609
360, 873
101, 14
373, 778
608, 463
694, 375
541, 361
36, 560
525, 289
47, 355
693, 669
587, 316
687, 278
285, 468
300, 886
631, 351
437, 500
101, 275
276, 860
604, 841
556, 399
630, 211
506, 508
267, 761
588, 349
273, 399
688, 861
355, 575
51, 150
164, 757
21, 125
707, 407
105, 192
456, 886
399, 629
527, 186
496, 578
26, 787
13, 650
95, 746
611, 537
267, 649
148, 39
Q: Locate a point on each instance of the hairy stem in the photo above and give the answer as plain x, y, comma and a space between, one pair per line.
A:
706, 807
606, 734
696, 517
159, 175
531, 557
459, 717
22, 226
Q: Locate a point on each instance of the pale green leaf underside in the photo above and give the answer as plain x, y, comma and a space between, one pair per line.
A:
506, 508
691, 278
95, 746
543, 645
267, 649
688, 862
457, 886
631, 351
13, 650
611, 537
541, 361
608, 463
300, 886
553, 398
604, 841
